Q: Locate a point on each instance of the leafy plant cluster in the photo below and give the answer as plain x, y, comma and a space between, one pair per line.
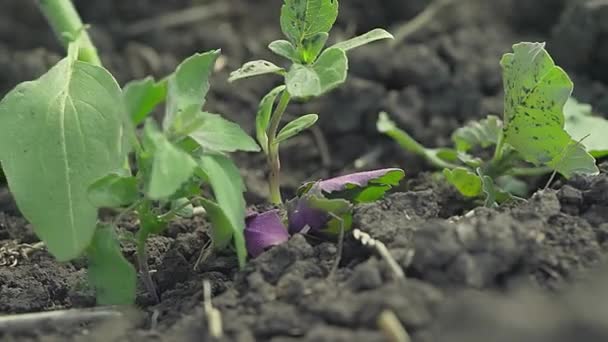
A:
542, 130
70, 144
65, 139
314, 70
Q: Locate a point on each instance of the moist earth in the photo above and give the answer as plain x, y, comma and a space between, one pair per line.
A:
528, 271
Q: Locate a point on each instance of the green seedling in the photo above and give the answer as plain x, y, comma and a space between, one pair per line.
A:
314, 70
65, 140
534, 137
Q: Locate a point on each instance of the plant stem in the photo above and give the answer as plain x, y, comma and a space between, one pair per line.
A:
65, 21
408, 143
274, 162
142, 262
142, 255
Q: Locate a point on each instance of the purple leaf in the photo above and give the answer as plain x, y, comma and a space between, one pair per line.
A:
302, 215
263, 231
361, 179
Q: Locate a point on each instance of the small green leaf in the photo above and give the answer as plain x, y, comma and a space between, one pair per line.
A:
228, 188
263, 117
218, 134
311, 47
296, 126
58, 135
328, 72
113, 277
535, 93
302, 19
189, 85
142, 96
338, 207
284, 49
582, 124
113, 190
150, 223
467, 182
483, 133
183, 207
171, 167
255, 68
575, 159
513, 185
371, 36
493, 194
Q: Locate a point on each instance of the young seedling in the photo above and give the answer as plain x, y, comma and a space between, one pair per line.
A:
64, 143
322, 208
313, 72
533, 138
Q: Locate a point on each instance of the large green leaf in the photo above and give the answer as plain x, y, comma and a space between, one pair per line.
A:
581, 124
170, 166
218, 134
189, 85
483, 133
302, 19
328, 72
535, 93
262, 119
255, 68
58, 135
142, 96
113, 277
371, 36
228, 188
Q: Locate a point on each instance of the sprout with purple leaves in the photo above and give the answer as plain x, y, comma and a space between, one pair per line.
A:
322, 208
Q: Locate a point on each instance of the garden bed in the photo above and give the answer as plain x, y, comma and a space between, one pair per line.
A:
529, 271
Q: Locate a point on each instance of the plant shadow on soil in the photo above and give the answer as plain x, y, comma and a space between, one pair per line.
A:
527, 272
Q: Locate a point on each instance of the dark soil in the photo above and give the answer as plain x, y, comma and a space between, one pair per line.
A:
530, 271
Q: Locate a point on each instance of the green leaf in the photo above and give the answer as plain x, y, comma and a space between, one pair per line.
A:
483, 133
58, 135
513, 185
328, 72
371, 36
311, 47
228, 187
302, 19
581, 123
467, 182
535, 93
171, 167
113, 190
575, 160
262, 119
113, 277
493, 194
338, 207
218, 134
284, 49
296, 126
142, 96
189, 85
183, 207
255, 68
